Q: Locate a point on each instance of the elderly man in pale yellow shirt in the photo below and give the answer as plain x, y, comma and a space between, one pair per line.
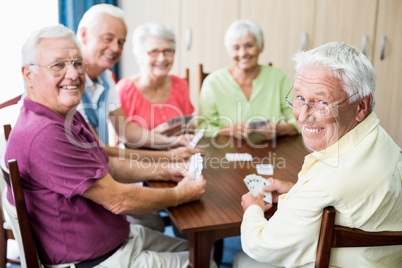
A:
354, 166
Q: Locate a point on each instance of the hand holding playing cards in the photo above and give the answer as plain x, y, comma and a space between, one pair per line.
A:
249, 199
277, 188
268, 130
161, 128
190, 188
184, 153
240, 130
176, 171
185, 140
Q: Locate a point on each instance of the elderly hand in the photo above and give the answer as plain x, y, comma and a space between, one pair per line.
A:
241, 130
185, 139
190, 189
177, 141
176, 171
268, 131
277, 188
161, 128
184, 153
173, 130
249, 199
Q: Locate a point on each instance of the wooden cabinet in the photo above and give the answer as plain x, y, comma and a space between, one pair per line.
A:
138, 12
352, 22
287, 25
388, 65
203, 26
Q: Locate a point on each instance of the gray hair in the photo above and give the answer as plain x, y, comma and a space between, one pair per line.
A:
144, 31
345, 63
29, 50
241, 28
95, 14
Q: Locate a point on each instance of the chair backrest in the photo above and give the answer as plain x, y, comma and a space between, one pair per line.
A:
187, 77
10, 102
335, 236
6, 233
201, 75
28, 242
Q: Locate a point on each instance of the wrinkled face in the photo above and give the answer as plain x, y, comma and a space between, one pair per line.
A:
245, 52
61, 93
103, 44
154, 62
316, 85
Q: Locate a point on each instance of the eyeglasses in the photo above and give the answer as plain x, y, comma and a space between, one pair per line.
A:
317, 107
59, 68
166, 52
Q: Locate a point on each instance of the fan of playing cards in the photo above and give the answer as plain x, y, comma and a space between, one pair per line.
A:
255, 183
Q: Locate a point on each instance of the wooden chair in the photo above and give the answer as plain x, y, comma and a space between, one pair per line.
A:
6, 232
334, 236
201, 75
187, 77
14, 227
28, 241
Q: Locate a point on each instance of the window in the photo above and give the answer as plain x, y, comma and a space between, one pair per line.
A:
18, 20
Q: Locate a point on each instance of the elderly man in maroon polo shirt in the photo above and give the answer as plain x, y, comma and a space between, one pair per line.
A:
75, 197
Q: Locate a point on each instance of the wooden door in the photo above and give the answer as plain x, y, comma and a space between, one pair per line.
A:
388, 65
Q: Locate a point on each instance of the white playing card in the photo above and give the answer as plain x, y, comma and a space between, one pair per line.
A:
238, 157
255, 184
267, 196
196, 164
197, 138
265, 169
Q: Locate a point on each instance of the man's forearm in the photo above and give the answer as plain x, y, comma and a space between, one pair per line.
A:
137, 136
139, 154
131, 170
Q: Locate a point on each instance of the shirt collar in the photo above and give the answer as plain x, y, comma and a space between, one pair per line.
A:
331, 154
44, 111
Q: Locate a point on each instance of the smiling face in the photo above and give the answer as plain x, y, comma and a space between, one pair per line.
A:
312, 85
160, 65
245, 52
63, 93
102, 45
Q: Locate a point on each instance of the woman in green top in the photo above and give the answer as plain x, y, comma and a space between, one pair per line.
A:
246, 92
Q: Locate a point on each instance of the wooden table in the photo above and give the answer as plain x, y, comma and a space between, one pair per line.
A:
219, 213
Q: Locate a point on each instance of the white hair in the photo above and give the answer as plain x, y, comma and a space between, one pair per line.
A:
241, 28
345, 63
145, 31
95, 14
29, 50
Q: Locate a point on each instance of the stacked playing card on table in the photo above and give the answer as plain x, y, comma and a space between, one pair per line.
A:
255, 183
196, 164
238, 157
265, 169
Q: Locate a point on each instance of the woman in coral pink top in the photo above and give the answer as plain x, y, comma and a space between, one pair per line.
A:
152, 97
